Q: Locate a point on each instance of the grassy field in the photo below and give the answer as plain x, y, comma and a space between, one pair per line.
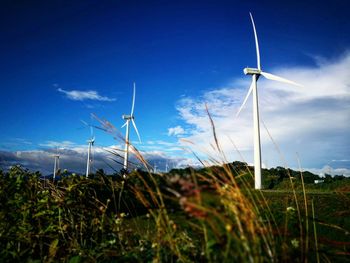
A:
331, 218
208, 215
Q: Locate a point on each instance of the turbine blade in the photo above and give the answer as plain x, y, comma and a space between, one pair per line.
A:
124, 124
137, 132
256, 42
92, 131
133, 101
91, 128
277, 78
100, 128
84, 122
245, 99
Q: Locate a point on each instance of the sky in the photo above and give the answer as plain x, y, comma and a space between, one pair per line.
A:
62, 61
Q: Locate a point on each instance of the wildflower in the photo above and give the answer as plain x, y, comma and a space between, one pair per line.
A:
290, 209
228, 227
225, 186
295, 243
112, 242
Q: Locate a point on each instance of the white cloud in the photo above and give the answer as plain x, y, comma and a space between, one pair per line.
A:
169, 148
56, 144
331, 171
313, 121
156, 143
14, 143
175, 131
341, 160
22, 141
84, 95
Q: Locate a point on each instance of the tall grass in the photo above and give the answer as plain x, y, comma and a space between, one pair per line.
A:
207, 215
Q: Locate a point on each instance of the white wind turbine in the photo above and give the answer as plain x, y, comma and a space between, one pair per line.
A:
127, 119
155, 168
90, 142
256, 72
166, 166
56, 165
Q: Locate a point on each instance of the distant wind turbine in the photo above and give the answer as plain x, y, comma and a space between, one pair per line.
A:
56, 165
127, 119
256, 72
166, 166
90, 142
155, 168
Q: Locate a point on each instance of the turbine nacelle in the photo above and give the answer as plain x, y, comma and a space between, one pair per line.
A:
252, 71
91, 141
127, 117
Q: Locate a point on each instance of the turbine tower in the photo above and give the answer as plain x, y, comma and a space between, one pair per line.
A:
166, 166
127, 119
256, 73
56, 165
90, 142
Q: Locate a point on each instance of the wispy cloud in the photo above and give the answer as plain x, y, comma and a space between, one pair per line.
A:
14, 143
341, 160
84, 95
313, 120
161, 146
56, 144
176, 131
331, 171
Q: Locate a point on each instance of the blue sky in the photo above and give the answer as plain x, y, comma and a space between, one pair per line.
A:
181, 54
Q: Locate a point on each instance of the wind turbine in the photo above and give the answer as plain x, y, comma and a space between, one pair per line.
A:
155, 168
127, 119
56, 165
90, 142
256, 73
166, 166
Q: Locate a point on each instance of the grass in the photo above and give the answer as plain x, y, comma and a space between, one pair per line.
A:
207, 215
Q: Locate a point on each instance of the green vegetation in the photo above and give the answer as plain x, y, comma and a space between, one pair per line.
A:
205, 215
